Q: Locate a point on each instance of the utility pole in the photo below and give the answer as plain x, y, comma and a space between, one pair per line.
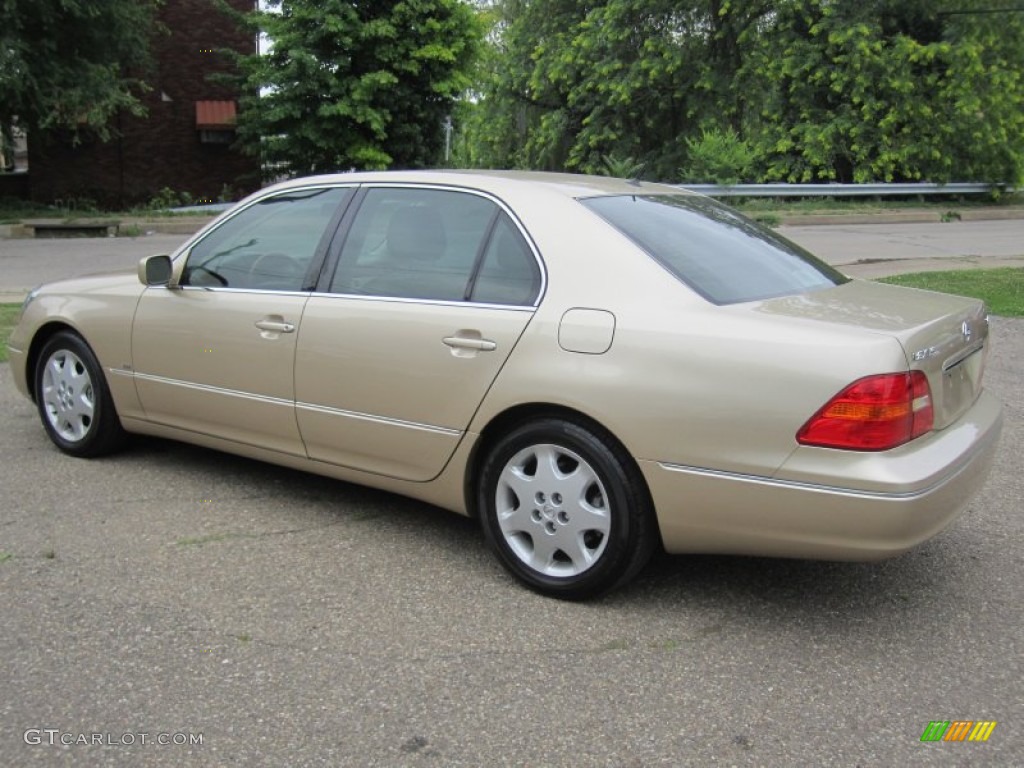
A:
447, 138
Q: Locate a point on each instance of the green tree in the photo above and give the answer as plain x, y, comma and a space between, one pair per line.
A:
518, 111
354, 84
73, 63
573, 82
798, 90
891, 90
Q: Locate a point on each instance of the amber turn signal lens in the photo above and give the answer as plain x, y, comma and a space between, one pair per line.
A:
873, 414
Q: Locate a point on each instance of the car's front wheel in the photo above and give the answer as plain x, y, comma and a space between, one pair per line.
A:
73, 400
565, 509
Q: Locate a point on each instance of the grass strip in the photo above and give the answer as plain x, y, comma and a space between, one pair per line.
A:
1002, 288
8, 314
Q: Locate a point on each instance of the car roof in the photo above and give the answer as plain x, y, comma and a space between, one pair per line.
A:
496, 182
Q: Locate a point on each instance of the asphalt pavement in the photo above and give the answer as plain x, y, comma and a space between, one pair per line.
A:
172, 606
871, 250
287, 620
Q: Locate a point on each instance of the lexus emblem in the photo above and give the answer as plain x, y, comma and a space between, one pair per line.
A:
965, 329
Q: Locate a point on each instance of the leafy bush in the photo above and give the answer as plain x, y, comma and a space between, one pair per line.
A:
168, 198
718, 157
621, 167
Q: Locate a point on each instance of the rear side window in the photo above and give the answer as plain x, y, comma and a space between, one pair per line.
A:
432, 244
721, 254
508, 273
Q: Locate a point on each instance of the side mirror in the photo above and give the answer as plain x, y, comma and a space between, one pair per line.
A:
155, 270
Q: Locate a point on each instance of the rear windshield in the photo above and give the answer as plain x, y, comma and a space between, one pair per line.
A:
722, 255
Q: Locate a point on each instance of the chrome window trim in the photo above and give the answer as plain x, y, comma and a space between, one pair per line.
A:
362, 297
437, 302
189, 244
223, 289
479, 193
213, 226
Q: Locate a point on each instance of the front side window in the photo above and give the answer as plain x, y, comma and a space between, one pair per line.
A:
271, 245
436, 245
721, 254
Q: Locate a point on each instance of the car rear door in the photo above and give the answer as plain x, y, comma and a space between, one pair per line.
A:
432, 289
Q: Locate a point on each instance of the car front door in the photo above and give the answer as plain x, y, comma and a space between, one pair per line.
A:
213, 354
432, 290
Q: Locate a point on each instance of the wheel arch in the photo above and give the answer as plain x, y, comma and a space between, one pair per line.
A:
42, 335
511, 417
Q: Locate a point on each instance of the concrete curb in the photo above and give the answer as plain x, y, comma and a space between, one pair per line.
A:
872, 269
172, 225
129, 227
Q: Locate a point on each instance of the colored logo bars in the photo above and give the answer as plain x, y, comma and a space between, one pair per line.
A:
958, 730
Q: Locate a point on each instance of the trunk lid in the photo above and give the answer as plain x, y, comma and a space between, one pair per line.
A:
945, 337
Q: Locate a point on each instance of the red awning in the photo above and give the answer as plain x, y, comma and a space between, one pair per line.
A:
215, 115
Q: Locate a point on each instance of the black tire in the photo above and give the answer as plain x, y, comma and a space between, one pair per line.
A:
73, 398
565, 508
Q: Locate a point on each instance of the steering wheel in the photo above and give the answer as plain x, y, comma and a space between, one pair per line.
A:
276, 269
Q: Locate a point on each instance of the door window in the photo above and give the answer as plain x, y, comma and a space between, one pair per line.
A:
271, 245
508, 273
436, 245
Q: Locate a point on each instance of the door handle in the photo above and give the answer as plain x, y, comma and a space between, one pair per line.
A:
277, 326
463, 342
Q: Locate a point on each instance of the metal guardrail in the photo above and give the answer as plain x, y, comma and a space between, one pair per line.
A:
210, 208
843, 190
778, 190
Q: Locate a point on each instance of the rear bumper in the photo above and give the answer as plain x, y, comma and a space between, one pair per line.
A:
898, 498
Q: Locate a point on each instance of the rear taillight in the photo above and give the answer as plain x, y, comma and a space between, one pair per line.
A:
873, 414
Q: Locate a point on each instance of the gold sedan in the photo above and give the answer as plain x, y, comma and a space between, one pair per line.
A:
592, 367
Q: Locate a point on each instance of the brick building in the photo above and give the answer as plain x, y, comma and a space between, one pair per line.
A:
183, 142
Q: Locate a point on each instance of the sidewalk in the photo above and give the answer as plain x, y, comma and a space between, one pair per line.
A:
908, 216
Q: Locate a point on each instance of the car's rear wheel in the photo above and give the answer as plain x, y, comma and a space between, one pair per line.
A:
73, 400
565, 508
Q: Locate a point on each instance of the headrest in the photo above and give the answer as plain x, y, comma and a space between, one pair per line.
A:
416, 233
